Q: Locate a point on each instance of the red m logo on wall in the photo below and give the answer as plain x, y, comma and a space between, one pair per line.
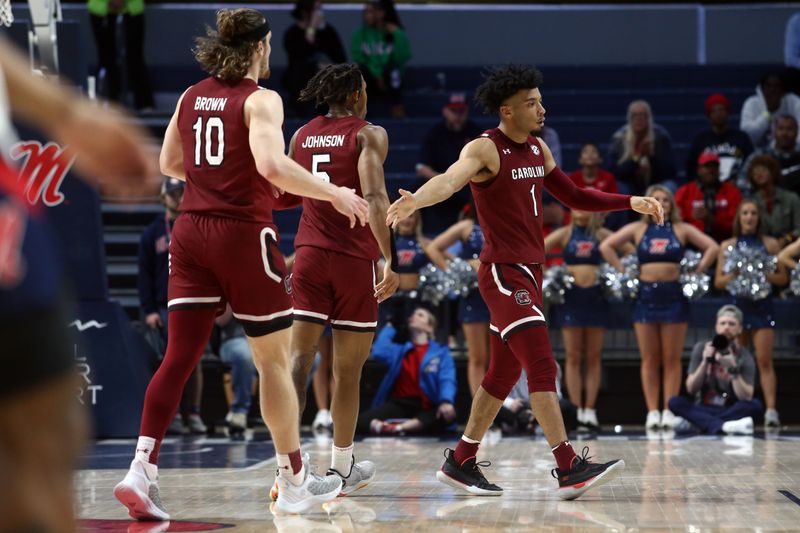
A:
43, 170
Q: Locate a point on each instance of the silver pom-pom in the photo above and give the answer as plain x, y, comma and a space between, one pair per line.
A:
751, 266
434, 284
695, 285
794, 281
462, 277
620, 286
557, 280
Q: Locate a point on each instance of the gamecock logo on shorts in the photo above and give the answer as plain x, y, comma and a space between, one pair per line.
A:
522, 297
43, 170
287, 282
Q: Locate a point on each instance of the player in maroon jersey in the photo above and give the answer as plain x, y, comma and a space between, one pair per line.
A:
225, 140
507, 168
335, 270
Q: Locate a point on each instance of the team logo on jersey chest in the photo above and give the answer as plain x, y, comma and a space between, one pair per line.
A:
535, 149
658, 246
523, 297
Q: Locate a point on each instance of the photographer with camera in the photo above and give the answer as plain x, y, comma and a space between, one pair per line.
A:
721, 377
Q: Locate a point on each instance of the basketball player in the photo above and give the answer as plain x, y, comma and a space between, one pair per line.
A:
507, 168
42, 426
334, 276
225, 140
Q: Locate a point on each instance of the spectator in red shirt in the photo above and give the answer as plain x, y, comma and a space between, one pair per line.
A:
707, 203
591, 175
419, 387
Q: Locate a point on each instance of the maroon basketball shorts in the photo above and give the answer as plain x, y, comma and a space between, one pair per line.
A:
333, 287
216, 260
512, 292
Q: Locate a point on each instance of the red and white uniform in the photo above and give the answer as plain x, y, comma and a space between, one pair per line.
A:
224, 246
335, 266
509, 205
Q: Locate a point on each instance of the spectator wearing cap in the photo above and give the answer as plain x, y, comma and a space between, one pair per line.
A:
721, 378
707, 203
440, 149
152, 282
731, 144
759, 111
784, 150
311, 44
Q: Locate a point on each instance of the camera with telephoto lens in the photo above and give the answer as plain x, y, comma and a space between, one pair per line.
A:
721, 345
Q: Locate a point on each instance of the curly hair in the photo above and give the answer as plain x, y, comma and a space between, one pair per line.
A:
229, 62
332, 85
501, 83
768, 162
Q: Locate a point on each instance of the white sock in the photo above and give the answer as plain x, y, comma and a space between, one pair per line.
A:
469, 440
285, 470
144, 447
580, 414
342, 459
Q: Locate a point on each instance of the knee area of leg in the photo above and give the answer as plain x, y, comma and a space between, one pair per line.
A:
542, 375
497, 387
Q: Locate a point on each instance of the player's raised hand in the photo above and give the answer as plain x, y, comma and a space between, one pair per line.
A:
401, 208
348, 203
647, 205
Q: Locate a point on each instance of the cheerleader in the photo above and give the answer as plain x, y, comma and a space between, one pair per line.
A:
759, 322
411, 257
585, 310
661, 312
472, 311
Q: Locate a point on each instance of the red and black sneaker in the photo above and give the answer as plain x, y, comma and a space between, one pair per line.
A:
585, 475
467, 476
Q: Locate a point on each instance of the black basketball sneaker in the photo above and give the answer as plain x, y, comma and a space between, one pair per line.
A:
585, 475
467, 476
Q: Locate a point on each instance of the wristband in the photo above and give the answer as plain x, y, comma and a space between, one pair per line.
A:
734, 371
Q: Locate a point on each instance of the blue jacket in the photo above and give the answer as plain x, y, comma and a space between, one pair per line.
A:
437, 373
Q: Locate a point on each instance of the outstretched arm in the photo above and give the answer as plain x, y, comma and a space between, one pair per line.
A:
264, 115
565, 190
475, 156
374, 147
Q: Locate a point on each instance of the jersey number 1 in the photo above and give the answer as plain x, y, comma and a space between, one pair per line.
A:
213, 123
533, 197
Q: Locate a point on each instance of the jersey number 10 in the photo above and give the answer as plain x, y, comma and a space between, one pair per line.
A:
213, 123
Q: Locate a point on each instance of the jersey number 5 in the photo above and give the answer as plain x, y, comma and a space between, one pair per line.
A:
212, 124
316, 159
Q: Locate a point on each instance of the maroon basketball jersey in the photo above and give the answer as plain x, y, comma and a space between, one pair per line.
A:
510, 204
328, 148
221, 175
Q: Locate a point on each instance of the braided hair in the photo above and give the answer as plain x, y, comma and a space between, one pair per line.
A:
332, 85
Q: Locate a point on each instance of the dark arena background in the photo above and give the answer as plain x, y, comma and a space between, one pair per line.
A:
701, 99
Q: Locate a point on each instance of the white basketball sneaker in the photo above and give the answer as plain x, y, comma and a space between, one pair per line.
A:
314, 490
361, 474
653, 420
138, 491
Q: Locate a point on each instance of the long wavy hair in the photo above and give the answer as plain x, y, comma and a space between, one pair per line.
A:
629, 140
737, 221
229, 62
674, 213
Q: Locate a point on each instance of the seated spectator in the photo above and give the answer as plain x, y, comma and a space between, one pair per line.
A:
770, 100
311, 44
381, 48
779, 208
732, 145
784, 150
591, 175
419, 388
721, 378
641, 152
152, 286
707, 204
440, 149
235, 351
791, 53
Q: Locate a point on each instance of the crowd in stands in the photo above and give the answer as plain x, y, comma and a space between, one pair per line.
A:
738, 187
